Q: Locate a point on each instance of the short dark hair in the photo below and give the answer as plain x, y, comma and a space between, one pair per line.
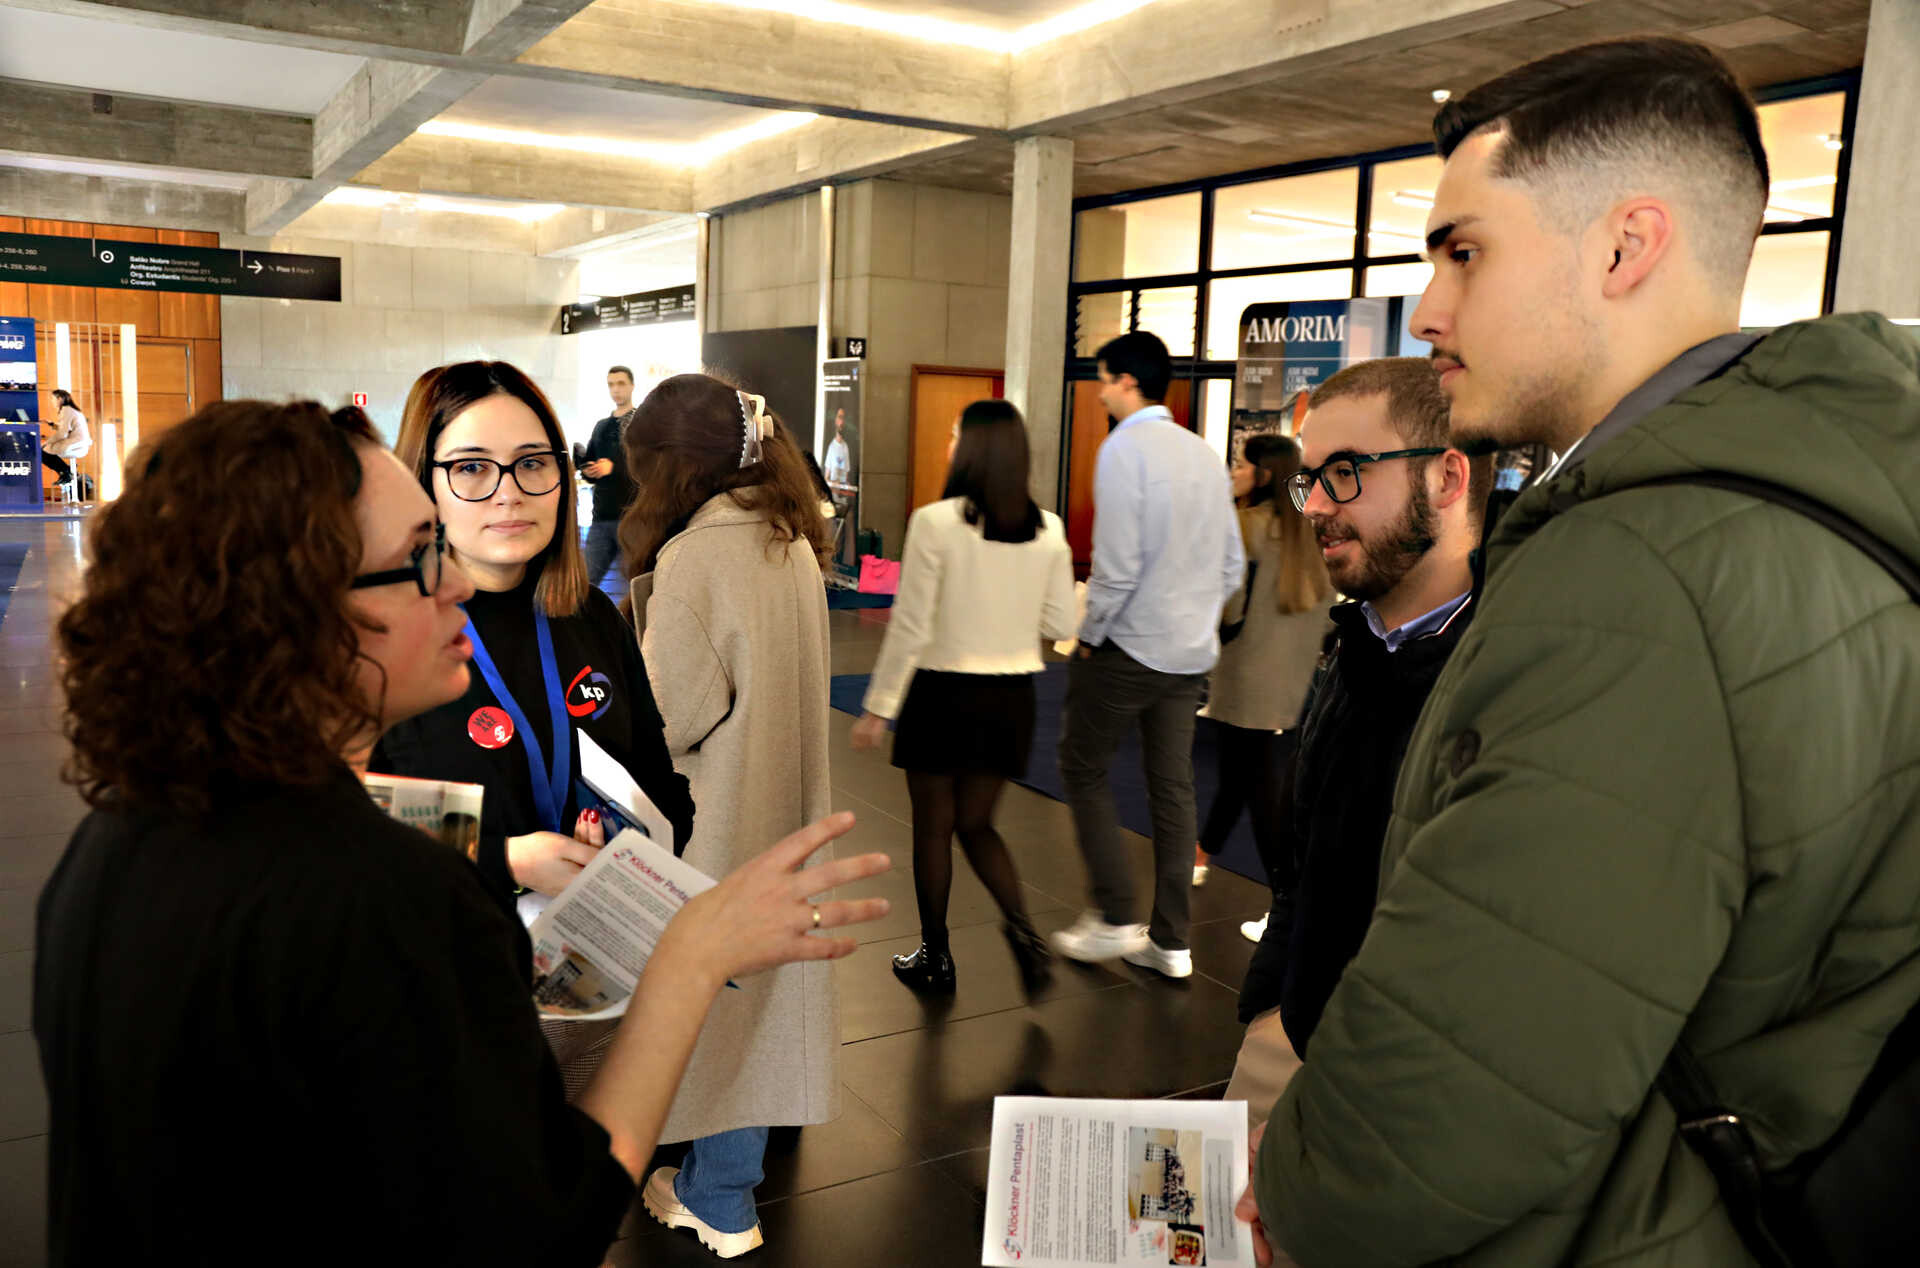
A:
1417, 410
1650, 103
1141, 354
990, 469
620, 369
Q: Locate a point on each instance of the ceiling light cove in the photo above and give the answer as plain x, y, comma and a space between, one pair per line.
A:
946, 31
675, 154
388, 200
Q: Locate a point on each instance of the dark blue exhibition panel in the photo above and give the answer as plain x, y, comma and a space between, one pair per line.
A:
20, 466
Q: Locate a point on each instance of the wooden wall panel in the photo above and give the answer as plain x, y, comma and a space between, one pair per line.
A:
118, 308
126, 233
184, 316
206, 373
159, 411
163, 367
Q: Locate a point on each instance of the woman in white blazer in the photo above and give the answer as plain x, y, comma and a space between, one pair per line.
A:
987, 575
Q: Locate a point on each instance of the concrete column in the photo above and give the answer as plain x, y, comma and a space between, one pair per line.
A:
823, 326
1037, 300
703, 292
1879, 270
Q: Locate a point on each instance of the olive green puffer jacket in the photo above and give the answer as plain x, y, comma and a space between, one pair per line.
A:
1669, 784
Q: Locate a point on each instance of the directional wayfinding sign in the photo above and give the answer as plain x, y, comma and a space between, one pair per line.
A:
149, 266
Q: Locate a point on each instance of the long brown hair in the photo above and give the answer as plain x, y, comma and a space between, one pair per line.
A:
214, 643
438, 397
684, 445
1300, 582
989, 469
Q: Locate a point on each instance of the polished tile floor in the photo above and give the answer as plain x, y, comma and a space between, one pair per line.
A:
898, 1179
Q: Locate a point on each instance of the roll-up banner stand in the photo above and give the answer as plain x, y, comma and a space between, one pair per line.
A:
19, 414
1288, 348
839, 455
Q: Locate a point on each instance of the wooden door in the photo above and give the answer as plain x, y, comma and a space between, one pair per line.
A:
939, 393
1088, 430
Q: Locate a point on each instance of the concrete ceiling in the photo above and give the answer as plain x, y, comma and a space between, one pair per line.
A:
1386, 101
1169, 91
585, 110
115, 57
125, 171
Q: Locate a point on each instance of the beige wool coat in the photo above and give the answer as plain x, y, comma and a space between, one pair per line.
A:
734, 633
1261, 680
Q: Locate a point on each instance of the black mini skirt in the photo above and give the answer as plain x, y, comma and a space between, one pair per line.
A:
960, 724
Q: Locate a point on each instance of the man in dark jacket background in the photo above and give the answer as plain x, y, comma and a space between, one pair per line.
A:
1398, 514
606, 470
1665, 790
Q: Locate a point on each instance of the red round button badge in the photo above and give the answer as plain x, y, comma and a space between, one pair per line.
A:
490, 728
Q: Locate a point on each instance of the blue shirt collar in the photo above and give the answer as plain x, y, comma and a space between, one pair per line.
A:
1422, 626
1141, 415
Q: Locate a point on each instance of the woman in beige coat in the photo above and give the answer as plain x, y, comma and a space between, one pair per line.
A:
725, 537
1270, 641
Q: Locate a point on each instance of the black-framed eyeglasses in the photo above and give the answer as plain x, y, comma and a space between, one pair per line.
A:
423, 567
475, 479
1340, 474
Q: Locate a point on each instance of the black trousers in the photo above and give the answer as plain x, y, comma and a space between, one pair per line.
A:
1108, 694
1252, 771
56, 464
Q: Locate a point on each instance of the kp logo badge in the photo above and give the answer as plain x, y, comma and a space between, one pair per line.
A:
589, 695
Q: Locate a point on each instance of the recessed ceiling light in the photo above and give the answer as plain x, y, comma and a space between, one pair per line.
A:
1442, 95
1832, 141
675, 154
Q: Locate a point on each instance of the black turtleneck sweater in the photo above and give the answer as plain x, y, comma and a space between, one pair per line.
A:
595, 651
1361, 716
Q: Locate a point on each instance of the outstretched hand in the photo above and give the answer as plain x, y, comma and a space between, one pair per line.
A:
761, 915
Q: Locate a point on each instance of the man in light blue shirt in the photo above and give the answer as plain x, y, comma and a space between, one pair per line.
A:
1166, 558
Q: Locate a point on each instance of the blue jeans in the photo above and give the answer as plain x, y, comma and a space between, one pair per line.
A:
717, 1180
602, 549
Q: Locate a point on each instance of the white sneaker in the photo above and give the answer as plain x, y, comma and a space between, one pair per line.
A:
1092, 939
1200, 871
1254, 930
1162, 961
665, 1205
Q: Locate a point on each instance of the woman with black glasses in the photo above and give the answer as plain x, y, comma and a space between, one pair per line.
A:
551, 654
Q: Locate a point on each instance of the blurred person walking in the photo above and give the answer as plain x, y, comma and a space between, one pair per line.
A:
1166, 559
605, 469
987, 575
1270, 640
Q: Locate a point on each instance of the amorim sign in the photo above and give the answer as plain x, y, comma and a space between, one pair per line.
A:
645, 308
44, 260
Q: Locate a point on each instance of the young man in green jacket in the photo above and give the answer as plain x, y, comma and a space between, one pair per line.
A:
1668, 788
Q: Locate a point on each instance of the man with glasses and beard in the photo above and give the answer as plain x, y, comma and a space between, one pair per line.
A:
1397, 512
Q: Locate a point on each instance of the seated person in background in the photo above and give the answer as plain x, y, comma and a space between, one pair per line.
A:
250, 1011
1397, 513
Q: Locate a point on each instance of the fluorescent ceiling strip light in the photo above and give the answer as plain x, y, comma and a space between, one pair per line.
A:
1413, 198
943, 30
675, 154
1805, 182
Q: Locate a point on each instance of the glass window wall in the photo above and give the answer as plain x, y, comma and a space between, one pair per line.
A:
1295, 220
1143, 239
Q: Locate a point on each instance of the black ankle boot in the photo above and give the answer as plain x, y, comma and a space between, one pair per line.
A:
1030, 952
929, 972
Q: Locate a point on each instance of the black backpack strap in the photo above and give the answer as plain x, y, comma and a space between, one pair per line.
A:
1718, 1134
1897, 565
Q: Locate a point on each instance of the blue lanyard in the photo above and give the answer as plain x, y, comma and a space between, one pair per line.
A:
549, 785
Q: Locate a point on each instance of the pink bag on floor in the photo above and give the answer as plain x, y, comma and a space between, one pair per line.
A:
879, 576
